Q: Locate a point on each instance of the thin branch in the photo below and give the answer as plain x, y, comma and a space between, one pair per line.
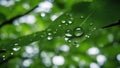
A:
111, 25
16, 17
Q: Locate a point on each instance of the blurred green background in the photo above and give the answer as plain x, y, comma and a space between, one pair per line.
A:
59, 34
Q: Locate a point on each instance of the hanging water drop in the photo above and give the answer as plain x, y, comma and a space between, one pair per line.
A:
16, 48
66, 39
49, 37
63, 21
70, 22
78, 32
68, 33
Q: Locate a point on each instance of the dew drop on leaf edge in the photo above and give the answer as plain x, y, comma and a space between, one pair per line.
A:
68, 33
78, 32
49, 37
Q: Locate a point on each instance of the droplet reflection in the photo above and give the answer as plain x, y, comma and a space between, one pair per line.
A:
78, 31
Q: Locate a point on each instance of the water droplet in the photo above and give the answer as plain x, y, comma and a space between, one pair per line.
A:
66, 39
42, 14
3, 56
71, 18
43, 35
76, 44
16, 44
68, 35
69, 41
63, 21
78, 32
11, 53
49, 33
16, 48
66, 24
49, 37
70, 22
87, 36
81, 17
94, 28
59, 25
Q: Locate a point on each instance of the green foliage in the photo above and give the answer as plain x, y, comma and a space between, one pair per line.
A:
76, 34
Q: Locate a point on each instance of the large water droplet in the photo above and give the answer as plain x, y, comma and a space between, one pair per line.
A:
16, 48
78, 32
49, 37
68, 33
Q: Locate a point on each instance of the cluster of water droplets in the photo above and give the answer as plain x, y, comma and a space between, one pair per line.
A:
50, 34
4, 57
16, 47
67, 21
49, 37
71, 34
